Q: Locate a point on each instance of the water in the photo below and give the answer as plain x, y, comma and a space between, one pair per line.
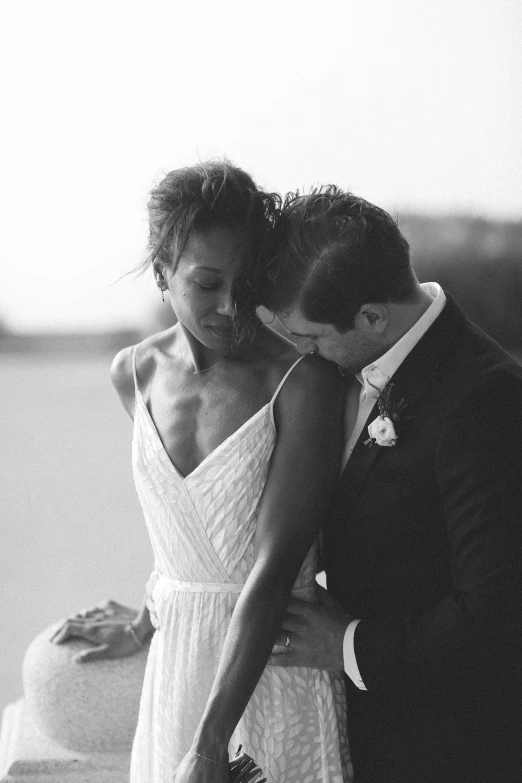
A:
72, 529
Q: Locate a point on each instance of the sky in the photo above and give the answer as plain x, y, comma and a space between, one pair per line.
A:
413, 105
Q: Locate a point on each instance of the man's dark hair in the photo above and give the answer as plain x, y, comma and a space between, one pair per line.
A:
336, 253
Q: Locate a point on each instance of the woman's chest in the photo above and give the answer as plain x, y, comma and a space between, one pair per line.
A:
193, 423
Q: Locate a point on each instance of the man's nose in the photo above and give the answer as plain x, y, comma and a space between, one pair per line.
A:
304, 345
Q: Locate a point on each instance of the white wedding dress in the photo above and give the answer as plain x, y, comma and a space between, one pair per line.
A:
202, 532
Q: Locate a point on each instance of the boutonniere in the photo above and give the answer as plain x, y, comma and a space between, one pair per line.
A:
383, 430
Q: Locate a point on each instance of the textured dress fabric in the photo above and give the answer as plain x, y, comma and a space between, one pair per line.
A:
202, 530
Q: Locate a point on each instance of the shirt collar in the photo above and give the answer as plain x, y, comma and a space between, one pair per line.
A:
390, 362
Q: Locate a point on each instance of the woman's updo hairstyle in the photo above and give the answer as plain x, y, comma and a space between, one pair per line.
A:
209, 195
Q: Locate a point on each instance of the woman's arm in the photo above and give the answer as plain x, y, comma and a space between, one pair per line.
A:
302, 475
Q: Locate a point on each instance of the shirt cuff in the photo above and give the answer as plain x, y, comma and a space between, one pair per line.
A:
350, 661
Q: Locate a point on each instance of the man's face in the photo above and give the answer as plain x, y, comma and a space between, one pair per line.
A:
351, 350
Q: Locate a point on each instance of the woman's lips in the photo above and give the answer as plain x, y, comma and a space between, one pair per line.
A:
224, 332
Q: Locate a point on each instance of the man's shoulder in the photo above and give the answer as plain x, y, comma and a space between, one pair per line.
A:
468, 355
456, 364
478, 359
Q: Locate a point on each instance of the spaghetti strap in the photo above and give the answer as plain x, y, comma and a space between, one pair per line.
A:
134, 374
285, 376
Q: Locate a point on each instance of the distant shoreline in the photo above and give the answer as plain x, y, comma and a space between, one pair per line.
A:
68, 343
72, 344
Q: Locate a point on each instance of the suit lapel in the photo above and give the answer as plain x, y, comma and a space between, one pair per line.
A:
411, 382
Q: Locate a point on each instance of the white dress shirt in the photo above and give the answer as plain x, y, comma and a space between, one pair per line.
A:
378, 374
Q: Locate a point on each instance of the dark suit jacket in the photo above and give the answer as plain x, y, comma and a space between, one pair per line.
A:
425, 546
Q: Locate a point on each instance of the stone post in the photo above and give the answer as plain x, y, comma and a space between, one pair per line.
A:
76, 722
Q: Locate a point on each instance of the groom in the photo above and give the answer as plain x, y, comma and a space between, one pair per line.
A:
423, 548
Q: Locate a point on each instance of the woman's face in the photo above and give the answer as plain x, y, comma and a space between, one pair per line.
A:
201, 288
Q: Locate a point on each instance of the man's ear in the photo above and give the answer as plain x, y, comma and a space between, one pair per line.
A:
372, 319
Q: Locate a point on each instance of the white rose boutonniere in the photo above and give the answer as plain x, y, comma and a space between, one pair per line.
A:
383, 429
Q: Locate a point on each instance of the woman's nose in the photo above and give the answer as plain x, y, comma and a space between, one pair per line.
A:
226, 304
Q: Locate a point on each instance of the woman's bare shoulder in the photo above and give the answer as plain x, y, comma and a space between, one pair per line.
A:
283, 353
309, 406
274, 346
121, 370
144, 354
313, 378
122, 378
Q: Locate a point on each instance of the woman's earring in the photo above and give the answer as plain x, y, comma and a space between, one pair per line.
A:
161, 285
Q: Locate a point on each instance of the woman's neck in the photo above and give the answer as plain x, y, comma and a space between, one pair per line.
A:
196, 357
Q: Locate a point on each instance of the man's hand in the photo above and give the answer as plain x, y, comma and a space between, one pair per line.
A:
315, 633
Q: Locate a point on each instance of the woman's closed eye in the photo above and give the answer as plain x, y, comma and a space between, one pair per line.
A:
207, 285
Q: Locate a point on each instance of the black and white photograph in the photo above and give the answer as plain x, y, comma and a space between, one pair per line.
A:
261, 391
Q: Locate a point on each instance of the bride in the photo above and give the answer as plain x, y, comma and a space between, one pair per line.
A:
235, 453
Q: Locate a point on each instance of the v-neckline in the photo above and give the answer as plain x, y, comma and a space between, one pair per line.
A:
211, 454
